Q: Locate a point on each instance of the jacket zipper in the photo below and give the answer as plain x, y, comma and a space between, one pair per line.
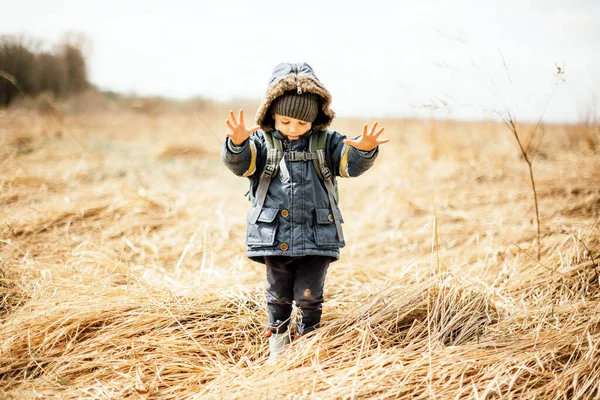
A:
291, 198
298, 90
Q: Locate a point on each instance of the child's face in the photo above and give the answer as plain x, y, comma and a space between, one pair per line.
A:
291, 127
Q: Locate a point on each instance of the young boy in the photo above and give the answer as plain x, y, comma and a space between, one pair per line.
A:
292, 160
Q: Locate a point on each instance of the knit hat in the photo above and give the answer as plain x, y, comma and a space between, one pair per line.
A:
304, 107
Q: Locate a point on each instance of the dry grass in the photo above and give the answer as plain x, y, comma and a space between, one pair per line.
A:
122, 268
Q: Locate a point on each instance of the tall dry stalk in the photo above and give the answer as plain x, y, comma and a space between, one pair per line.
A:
511, 124
509, 120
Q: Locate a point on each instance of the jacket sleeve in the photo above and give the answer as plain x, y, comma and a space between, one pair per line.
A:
348, 161
246, 159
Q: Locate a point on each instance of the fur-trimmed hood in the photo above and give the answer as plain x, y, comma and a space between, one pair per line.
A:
299, 77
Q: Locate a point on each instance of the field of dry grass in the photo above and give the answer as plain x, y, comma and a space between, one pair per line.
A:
122, 268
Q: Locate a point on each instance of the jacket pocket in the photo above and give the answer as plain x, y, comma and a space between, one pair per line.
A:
263, 232
325, 230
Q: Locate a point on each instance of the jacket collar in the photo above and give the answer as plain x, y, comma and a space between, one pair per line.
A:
278, 135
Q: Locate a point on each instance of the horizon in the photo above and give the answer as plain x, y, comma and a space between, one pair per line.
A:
468, 61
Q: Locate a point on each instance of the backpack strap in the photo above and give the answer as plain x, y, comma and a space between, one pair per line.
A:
274, 143
317, 142
274, 157
317, 145
300, 156
328, 181
285, 174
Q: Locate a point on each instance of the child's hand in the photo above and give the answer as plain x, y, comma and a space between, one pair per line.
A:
239, 134
367, 141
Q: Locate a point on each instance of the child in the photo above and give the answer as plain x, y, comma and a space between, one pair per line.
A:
292, 160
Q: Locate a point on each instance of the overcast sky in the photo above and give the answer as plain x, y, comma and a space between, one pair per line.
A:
457, 59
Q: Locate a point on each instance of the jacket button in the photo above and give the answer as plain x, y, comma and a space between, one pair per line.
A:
285, 213
284, 246
330, 217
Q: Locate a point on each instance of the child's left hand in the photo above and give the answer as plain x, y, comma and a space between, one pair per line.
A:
367, 141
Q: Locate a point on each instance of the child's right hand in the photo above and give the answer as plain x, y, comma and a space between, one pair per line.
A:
239, 134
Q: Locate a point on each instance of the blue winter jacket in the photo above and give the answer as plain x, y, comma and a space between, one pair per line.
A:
296, 218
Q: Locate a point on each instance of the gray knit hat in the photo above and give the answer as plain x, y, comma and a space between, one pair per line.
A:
304, 107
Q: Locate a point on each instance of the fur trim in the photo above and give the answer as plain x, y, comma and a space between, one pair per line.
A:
307, 84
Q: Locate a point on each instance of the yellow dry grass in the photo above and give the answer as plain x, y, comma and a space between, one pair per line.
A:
122, 268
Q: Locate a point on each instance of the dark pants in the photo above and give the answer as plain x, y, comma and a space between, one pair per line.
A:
299, 279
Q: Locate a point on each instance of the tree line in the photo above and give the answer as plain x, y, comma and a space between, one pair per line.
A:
26, 71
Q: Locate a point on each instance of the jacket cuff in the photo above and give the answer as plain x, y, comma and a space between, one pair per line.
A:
236, 149
368, 154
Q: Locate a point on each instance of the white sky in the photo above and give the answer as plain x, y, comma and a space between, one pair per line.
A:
377, 57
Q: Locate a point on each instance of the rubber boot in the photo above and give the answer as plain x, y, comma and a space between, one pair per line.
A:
276, 343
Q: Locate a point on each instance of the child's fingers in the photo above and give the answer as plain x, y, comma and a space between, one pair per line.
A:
373, 128
254, 128
382, 141
232, 117
230, 125
379, 132
365, 130
241, 117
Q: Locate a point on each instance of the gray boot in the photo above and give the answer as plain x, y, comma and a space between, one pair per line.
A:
276, 343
